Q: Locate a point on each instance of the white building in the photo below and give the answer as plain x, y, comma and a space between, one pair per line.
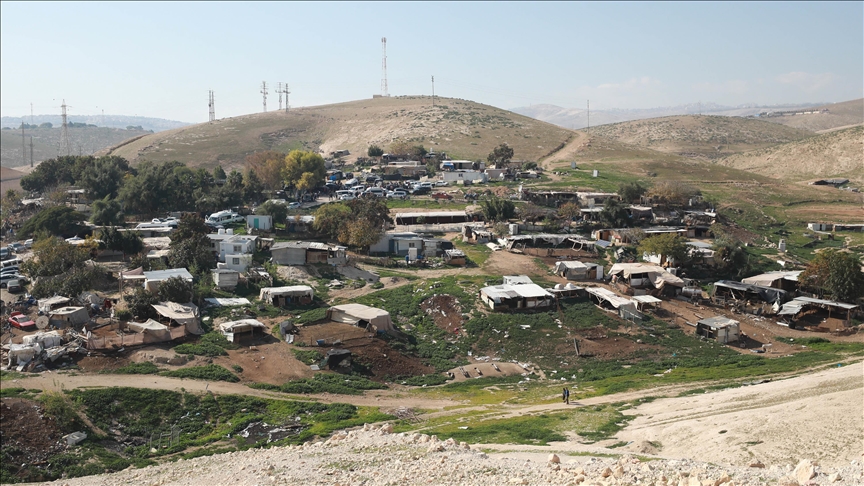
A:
225, 242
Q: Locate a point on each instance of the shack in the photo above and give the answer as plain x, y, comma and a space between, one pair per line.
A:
307, 252
225, 278
639, 276
799, 305
608, 300
68, 316
729, 290
454, 257
151, 331
153, 279
476, 234
575, 270
337, 358
432, 217
720, 328
516, 296
232, 329
785, 280
283, 296
185, 315
361, 315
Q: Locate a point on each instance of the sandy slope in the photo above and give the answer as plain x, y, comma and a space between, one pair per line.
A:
818, 416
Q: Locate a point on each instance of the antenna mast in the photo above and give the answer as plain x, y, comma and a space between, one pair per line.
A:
64, 137
264, 92
433, 90
384, 67
287, 92
212, 105
279, 90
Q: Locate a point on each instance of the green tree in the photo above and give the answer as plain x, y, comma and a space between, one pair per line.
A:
252, 187
298, 163
277, 210
175, 289
53, 256
668, 245
614, 214
835, 272
569, 211
103, 177
140, 304
497, 209
729, 253
190, 246
50, 173
235, 180
360, 233
375, 151
107, 212
268, 167
330, 218
219, 173
502, 154
373, 210
631, 191
55, 220
190, 226
672, 193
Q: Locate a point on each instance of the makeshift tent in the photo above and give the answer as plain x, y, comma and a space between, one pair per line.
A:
786, 280
740, 291
286, 328
607, 298
518, 296
153, 331
47, 305
44, 339
574, 270
23, 353
185, 315
359, 314
282, 296
798, 304
231, 329
641, 275
642, 301
227, 301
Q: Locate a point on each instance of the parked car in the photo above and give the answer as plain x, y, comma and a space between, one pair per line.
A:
441, 195
442, 183
346, 197
21, 321
28, 243
418, 190
16, 247
14, 285
397, 194
5, 253
12, 269
294, 205
6, 277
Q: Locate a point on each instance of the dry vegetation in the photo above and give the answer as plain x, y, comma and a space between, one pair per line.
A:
463, 129
839, 115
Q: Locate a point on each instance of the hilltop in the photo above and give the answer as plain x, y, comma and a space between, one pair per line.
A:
837, 153
46, 142
463, 129
702, 136
839, 115
107, 121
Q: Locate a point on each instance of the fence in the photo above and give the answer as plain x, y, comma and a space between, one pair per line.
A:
134, 339
630, 315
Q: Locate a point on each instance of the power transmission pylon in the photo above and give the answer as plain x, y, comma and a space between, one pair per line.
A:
287, 92
212, 107
279, 90
264, 92
64, 137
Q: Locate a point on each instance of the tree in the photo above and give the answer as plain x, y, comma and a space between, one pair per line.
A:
46, 125
330, 218
190, 246
569, 211
631, 191
375, 151
53, 256
531, 212
672, 193
729, 253
373, 210
252, 187
500, 155
140, 304
497, 209
530, 165
401, 149
614, 214
55, 220
276, 210
103, 177
298, 163
219, 173
127, 242
268, 167
50, 173
107, 212
669, 246
190, 226
175, 289
836, 272
360, 233
308, 181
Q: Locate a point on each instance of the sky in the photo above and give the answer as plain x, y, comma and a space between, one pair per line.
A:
160, 59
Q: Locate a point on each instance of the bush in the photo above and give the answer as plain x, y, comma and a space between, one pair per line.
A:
145, 368
123, 315
325, 383
309, 357
210, 372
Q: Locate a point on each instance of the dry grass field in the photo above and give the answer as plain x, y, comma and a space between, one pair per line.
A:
843, 114
463, 129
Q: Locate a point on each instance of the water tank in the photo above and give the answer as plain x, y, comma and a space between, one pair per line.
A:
596, 173
572, 165
570, 286
558, 286
229, 231
782, 246
514, 228
221, 231
691, 292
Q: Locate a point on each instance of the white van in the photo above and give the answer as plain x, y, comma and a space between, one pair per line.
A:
224, 217
15, 262
376, 191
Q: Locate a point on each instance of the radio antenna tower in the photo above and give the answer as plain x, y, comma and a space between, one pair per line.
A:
279, 90
64, 137
264, 92
31, 151
212, 105
287, 92
23, 143
384, 67
433, 90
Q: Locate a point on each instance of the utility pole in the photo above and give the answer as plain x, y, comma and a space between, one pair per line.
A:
23, 143
287, 92
433, 91
212, 105
264, 92
279, 90
31, 151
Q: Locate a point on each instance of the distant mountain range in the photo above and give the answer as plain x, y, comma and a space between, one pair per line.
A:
109, 121
576, 118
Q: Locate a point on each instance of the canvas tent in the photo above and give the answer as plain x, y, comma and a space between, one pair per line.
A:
153, 332
186, 315
640, 275
361, 315
786, 280
574, 270
231, 329
282, 296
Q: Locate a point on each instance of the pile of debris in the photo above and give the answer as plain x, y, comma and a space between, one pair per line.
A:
38, 350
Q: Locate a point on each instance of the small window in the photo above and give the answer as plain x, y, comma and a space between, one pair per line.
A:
410, 245
238, 248
236, 261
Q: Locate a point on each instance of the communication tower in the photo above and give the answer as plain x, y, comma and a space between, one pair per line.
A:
264, 92
64, 137
287, 92
384, 67
279, 90
212, 105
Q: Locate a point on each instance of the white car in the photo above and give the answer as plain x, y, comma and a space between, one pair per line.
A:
397, 195
346, 197
442, 183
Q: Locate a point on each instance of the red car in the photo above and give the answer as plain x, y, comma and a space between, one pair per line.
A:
21, 321
441, 195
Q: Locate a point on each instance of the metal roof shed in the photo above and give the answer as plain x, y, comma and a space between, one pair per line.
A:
721, 328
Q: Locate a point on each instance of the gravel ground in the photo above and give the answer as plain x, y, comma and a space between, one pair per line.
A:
374, 456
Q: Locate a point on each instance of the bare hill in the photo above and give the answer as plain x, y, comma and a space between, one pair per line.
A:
46, 142
845, 114
463, 129
710, 137
838, 153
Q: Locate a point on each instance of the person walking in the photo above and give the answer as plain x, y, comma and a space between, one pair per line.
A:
564, 395
567, 396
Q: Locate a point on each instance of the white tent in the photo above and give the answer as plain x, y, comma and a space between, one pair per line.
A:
653, 273
359, 314
45, 339
185, 315
284, 295
46, 305
153, 331
230, 329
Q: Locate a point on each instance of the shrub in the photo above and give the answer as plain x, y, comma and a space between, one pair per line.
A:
209, 372
145, 368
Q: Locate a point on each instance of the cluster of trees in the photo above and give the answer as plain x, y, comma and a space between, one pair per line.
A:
357, 223
59, 268
835, 273
29, 126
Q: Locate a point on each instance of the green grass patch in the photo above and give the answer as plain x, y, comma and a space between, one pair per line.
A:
209, 372
143, 368
18, 392
308, 357
211, 344
423, 380
324, 383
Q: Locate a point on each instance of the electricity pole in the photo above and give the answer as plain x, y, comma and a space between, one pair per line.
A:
433, 91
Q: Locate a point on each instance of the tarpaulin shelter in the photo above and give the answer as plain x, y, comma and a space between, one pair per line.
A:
786, 280
361, 315
183, 314
45, 339
642, 301
607, 299
152, 331
231, 329
282, 296
798, 304
575, 270
49, 304
640, 275
728, 289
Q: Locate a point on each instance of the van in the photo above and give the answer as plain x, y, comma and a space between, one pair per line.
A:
376, 191
224, 217
14, 262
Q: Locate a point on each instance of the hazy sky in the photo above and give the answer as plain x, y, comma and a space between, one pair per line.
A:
160, 59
